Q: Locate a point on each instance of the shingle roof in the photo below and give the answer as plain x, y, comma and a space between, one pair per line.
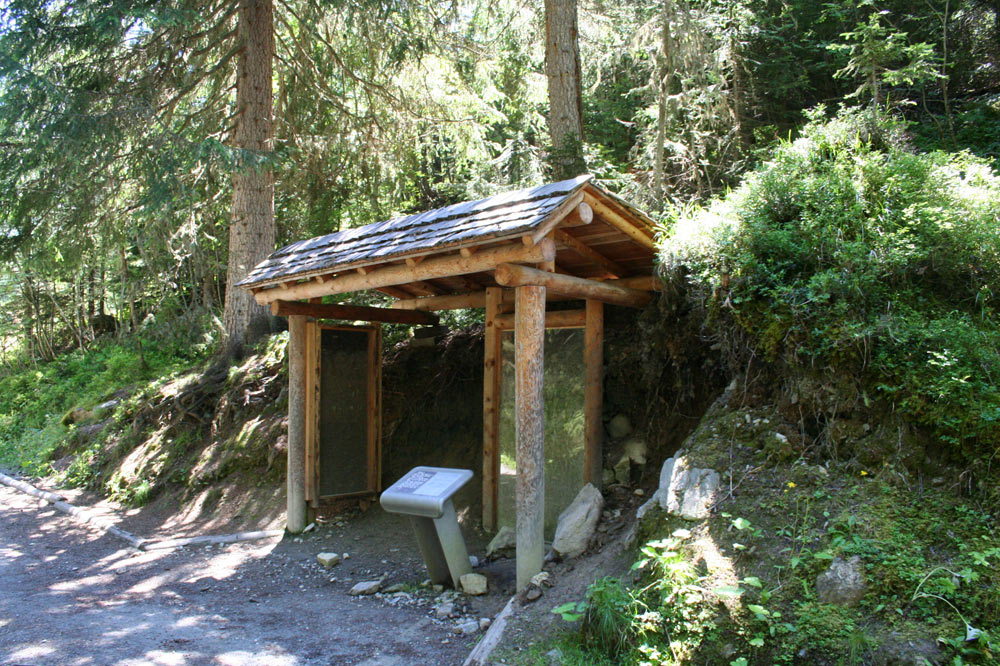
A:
510, 214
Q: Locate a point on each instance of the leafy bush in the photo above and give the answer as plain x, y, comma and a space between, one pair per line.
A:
849, 253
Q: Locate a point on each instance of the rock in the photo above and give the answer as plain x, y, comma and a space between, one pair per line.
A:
843, 583
444, 611
365, 588
395, 588
577, 522
607, 477
899, 651
505, 539
473, 584
328, 560
473, 561
467, 628
623, 471
554, 657
636, 450
684, 491
104, 409
619, 427
533, 594
76, 415
484, 623
541, 578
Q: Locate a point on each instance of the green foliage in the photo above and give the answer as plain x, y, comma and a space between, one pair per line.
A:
34, 401
847, 252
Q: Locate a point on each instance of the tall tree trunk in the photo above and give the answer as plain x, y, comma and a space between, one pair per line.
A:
251, 230
664, 70
562, 68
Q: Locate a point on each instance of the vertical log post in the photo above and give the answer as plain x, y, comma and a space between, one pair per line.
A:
529, 348
593, 396
295, 518
491, 409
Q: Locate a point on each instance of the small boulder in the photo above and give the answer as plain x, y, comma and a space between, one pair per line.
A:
619, 426
577, 522
443, 611
623, 471
899, 651
467, 628
684, 491
365, 588
473, 584
505, 539
328, 560
636, 450
843, 583
484, 623
105, 409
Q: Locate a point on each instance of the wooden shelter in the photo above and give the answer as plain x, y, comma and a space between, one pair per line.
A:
509, 254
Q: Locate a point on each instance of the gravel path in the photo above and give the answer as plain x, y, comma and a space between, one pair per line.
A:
72, 596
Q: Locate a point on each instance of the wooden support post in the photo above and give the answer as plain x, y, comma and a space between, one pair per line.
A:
295, 518
529, 364
491, 410
593, 392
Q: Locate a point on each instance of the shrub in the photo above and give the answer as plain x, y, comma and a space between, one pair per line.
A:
849, 253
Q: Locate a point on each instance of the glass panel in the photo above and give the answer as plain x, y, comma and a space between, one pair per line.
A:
563, 394
343, 412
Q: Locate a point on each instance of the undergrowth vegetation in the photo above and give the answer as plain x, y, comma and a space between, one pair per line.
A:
849, 254
37, 400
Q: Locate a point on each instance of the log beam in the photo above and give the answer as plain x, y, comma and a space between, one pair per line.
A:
529, 350
397, 274
589, 253
619, 222
513, 275
571, 210
352, 313
557, 319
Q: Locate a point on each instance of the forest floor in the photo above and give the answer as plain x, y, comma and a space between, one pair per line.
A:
73, 595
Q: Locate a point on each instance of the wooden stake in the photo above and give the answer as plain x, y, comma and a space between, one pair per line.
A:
397, 274
529, 359
295, 518
491, 410
593, 392
514, 275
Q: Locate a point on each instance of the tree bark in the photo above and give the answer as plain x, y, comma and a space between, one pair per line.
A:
664, 72
251, 229
562, 68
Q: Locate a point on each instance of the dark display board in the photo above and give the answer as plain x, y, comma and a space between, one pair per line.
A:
344, 411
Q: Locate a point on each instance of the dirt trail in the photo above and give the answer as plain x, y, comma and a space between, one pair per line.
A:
72, 596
